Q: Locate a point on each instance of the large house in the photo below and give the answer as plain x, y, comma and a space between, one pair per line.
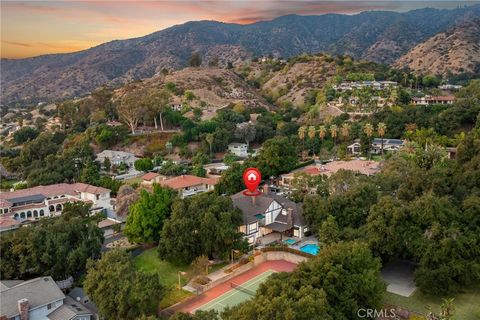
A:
269, 213
44, 201
377, 85
360, 166
429, 100
38, 299
188, 185
117, 157
389, 145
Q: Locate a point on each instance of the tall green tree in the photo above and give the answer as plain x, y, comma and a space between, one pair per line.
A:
278, 155
148, 214
206, 224
144, 164
58, 247
195, 60
119, 290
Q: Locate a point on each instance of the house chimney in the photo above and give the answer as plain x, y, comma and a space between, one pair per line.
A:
265, 188
23, 307
290, 218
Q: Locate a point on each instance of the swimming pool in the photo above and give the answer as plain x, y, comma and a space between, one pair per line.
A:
310, 248
289, 241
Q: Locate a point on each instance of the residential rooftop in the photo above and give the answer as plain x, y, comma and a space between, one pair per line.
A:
38, 291
185, 181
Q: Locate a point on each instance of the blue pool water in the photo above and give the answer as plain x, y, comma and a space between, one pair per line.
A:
289, 241
310, 248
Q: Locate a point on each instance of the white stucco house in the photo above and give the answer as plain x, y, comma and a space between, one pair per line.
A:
238, 149
45, 201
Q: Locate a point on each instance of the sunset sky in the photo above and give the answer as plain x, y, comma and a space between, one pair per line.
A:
30, 28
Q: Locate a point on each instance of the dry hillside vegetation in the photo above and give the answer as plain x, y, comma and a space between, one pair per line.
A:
295, 81
217, 87
456, 51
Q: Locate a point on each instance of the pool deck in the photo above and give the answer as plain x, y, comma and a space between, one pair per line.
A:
303, 242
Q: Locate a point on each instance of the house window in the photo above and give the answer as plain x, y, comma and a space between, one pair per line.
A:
29, 214
252, 227
98, 197
35, 213
296, 232
42, 213
49, 306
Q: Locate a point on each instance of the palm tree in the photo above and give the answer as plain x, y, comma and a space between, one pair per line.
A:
333, 132
368, 129
311, 135
322, 132
301, 136
210, 139
382, 127
345, 130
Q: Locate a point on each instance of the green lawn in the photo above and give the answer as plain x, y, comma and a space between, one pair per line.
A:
149, 262
467, 306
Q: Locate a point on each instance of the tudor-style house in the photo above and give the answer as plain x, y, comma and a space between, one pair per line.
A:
44, 201
268, 213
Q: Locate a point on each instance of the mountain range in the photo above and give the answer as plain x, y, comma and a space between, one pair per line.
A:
379, 36
455, 51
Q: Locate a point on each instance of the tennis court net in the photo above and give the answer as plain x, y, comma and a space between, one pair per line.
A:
242, 288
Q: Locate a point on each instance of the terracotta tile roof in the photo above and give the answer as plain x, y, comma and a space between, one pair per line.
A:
7, 222
362, 166
5, 203
150, 176
107, 223
184, 181
54, 190
83, 187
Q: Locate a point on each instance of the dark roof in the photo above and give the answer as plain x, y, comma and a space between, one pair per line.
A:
388, 141
34, 197
252, 207
276, 226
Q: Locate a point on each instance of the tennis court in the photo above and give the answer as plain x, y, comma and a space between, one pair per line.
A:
238, 293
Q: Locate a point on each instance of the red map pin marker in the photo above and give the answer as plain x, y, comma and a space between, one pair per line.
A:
252, 178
